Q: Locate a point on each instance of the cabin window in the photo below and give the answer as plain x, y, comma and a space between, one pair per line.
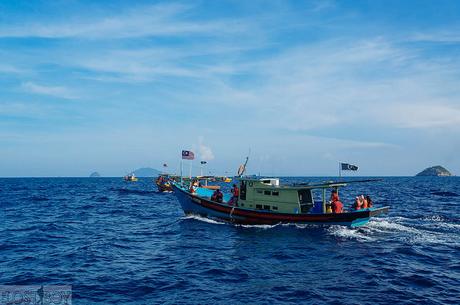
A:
243, 190
267, 207
275, 208
267, 193
275, 193
259, 192
259, 206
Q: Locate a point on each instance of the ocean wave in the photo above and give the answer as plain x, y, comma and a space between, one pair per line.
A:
388, 225
39, 198
204, 219
123, 191
445, 194
349, 233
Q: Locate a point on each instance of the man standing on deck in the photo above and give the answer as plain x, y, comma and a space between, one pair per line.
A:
235, 194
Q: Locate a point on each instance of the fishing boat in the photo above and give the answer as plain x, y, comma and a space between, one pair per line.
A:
265, 201
130, 178
163, 182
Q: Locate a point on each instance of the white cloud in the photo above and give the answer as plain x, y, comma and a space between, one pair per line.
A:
56, 91
154, 20
204, 151
423, 116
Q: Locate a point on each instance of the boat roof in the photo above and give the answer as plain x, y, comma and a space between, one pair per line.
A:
305, 185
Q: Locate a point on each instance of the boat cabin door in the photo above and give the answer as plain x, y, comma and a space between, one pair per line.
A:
305, 201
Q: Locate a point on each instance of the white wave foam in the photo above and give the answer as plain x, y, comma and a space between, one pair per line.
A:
413, 231
265, 227
440, 222
204, 219
349, 233
386, 225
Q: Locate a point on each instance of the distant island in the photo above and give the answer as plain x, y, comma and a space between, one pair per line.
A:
146, 172
435, 171
94, 175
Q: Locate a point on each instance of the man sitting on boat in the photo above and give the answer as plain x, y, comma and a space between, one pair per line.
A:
217, 196
336, 204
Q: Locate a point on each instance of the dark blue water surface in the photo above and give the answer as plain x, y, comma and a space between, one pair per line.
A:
125, 243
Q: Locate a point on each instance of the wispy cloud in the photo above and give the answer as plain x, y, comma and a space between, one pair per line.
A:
439, 36
55, 91
155, 20
314, 77
423, 116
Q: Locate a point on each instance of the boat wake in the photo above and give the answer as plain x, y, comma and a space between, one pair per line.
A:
204, 219
424, 231
359, 234
407, 230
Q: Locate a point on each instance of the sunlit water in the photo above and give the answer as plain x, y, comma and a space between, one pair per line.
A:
125, 243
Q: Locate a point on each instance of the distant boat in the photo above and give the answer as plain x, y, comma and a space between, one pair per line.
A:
130, 178
265, 201
163, 182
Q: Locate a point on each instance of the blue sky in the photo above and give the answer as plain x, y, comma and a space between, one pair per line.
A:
111, 86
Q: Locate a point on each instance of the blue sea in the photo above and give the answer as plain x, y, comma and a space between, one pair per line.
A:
124, 243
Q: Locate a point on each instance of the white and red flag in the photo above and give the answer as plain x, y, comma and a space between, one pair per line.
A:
188, 155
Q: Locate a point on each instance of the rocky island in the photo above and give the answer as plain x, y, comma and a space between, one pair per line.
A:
95, 175
146, 172
437, 171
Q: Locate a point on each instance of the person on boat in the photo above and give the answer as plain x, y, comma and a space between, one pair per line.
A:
193, 187
358, 204
235, 193
217, 196
369, 201
336, 204
364, 201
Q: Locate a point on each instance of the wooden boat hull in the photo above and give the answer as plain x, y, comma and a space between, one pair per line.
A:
192, 204
164, 187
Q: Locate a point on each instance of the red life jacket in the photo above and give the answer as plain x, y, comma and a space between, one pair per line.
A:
235, 191
337, 207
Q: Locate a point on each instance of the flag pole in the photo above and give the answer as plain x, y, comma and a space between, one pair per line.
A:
181, 171
190, 169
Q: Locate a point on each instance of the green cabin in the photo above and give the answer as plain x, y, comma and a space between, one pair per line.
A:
267, 194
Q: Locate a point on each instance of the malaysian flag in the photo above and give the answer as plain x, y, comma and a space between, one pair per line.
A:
188, 155
348, 167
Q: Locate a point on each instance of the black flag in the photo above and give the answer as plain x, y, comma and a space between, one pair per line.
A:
203, 162
348, 167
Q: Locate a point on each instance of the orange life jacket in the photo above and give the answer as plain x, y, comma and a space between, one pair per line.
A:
337, 207
365, 205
